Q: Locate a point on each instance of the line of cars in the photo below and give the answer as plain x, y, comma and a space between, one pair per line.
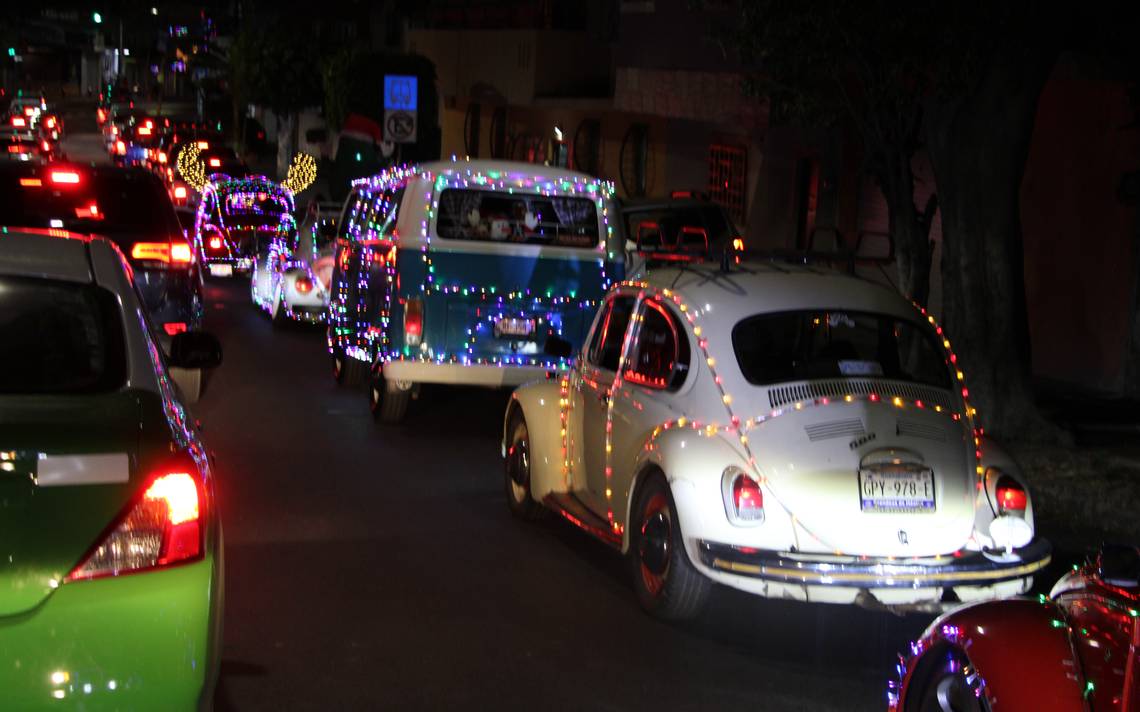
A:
786, 430
110, 540
30, 130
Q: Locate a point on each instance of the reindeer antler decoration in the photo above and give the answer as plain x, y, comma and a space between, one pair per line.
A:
301, 174
190, 166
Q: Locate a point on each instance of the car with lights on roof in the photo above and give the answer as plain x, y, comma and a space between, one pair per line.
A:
128, 206
286, 280
782, 429
474, 272
685, 219
110, 539
1077, 649
237, 218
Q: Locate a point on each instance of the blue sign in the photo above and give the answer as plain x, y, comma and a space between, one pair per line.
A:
400, 92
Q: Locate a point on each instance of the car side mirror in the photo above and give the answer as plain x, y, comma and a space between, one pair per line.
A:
558, 347
1119, 565
195, 349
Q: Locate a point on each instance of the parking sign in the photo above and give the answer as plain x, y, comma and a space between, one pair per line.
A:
400, 92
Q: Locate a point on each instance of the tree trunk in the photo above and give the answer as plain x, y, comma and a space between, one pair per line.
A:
978, 144
909, 229
286, 142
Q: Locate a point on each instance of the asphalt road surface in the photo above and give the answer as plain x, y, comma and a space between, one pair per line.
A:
375, 567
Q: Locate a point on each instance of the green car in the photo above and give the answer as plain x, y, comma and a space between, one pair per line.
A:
110, 539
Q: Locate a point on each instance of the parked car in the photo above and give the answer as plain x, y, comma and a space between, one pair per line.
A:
236, 217
111, 581
1078, 649
474, 272
128, 206
780, 429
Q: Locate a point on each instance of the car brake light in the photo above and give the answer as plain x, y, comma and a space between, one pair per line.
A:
50, 122
114, 130
180, 192
19, 121
174, 327
30, 182
160, 528
120, 148
180, 253
747, 498
303, 285
215, 243
68, 177
29, 111
144, 131
738, 244
45, 146
166, 252
162, 156
203, 145
15, 148
101, 115
414, 321
215, 162
1011, 497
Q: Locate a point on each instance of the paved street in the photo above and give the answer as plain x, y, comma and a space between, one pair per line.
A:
371, 566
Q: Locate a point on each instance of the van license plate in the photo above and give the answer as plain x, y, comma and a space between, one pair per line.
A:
510, 327
896, 490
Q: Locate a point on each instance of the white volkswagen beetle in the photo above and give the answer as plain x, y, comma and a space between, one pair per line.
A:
286, 280
784, 430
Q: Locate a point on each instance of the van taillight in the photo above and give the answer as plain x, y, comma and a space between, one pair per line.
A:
162, 527
176, 252
414, 321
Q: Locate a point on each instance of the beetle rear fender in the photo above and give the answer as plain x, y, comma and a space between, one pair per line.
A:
539, 404
1021, 648
692, 464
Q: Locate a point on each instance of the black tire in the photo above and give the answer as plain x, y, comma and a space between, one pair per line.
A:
667, 584
946, 681
388, 403
279, 316
347, 371
516, 470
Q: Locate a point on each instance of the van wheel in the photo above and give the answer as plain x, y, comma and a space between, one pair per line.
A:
347, 371
668, 586
388, 403
517, 470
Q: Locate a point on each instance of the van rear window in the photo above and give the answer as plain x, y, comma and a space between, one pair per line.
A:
491, 216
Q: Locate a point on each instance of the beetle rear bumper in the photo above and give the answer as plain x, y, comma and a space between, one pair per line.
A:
969, 569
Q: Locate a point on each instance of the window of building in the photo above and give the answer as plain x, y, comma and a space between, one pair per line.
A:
728, 175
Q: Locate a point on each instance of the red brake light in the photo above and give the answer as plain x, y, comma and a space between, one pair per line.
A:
162, 156
215, 243
29, 111
30, 182
413, 321
162, 527
19, 121
68, 177
303, 285
120, 148
1011, 497
215, 162
747, 499
180, 192
738, 244
144, 131
45, 146
50, 122
203, 145
180, 253
101, 115
174, 327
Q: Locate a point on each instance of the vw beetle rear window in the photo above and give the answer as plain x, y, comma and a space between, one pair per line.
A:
59, 337
806, 345
491, 216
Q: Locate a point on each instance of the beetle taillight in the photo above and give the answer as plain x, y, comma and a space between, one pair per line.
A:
164, 526
743, 498
1011, 497
414, 321
303, 285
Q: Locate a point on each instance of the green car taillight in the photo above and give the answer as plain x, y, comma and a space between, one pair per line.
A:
160, 528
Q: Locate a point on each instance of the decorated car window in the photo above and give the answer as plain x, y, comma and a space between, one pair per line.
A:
493, 216
805, 345
59, 337
660, 357
606, 342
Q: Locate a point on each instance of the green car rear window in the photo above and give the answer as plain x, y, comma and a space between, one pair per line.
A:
59, 338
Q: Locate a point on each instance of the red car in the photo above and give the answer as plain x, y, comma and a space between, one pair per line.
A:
1078, 649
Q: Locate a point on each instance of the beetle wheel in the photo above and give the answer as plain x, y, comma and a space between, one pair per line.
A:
667, 584
517, 470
